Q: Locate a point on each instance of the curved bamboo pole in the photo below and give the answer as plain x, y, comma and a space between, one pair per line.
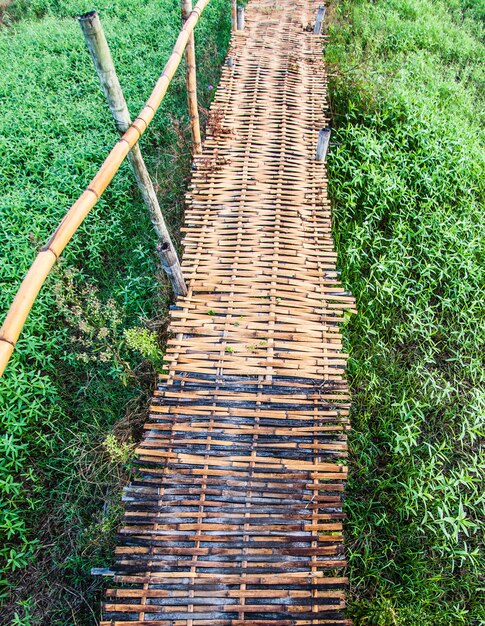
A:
40, 268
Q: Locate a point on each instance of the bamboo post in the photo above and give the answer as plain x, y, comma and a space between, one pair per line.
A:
234, 15
323, 143
100, 53
240, 18
191, 82
304, 20
43, 263
319, 20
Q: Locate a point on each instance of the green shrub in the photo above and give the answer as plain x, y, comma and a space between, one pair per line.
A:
407, 181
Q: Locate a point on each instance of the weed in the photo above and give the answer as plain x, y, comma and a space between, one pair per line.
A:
146, 343
119, 452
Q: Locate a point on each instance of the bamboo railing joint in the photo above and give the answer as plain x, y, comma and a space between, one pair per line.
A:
47, 248
93, 191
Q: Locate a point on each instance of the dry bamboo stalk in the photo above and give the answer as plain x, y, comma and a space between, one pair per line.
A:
100, 53
191, 81
40, 268
240, 18
319, 20
322, 145
234, 15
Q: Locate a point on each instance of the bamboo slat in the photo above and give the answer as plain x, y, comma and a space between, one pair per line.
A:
235, 513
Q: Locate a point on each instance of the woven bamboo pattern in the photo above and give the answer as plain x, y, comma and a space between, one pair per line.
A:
235, 514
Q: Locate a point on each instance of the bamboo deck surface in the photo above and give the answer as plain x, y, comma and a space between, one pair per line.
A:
235, 514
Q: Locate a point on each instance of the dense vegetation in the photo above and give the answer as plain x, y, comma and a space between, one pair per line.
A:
82, 364
407, 181
407, 175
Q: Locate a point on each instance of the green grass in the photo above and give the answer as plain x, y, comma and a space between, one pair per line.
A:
75, 393
407, 173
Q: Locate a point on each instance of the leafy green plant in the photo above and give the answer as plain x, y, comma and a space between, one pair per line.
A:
145, 342
119, 452
406, 175
75, 378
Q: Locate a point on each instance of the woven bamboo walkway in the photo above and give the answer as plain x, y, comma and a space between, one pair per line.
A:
235, 513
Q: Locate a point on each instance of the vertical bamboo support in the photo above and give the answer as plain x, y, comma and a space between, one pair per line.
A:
323, 143
240, 18
100, 53
319, 20
234, 15
191, 81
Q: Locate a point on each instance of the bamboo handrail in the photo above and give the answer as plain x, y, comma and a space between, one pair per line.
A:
45, 260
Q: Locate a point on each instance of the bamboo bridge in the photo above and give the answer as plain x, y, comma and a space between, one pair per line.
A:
234, 516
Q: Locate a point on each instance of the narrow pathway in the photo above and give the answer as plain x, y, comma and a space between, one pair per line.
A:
234, 517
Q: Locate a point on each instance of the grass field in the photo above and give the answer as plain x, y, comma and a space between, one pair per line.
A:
75, 393
407, 173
